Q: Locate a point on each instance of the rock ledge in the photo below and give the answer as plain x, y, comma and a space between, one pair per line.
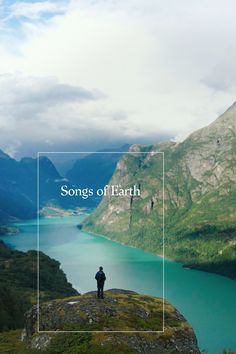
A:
121, 310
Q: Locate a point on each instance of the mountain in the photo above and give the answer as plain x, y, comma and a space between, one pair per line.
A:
95, 170
63, 166
18, 187
18, 183
13, 200
199, 199
121, 310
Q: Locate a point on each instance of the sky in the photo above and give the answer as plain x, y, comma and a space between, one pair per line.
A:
91, 74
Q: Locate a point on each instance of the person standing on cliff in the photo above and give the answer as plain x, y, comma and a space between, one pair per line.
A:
100, 277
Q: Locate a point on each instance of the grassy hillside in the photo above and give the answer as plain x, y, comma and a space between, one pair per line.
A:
18, 279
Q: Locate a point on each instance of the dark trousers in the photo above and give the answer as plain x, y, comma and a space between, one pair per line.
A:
100, 290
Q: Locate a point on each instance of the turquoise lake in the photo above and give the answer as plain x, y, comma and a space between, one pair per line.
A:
206, 300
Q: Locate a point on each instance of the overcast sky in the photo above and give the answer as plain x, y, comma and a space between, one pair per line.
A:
87, 74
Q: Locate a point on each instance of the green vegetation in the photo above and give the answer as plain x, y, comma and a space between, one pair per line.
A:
199, 196
18, 279
72, 343
121, 310
8, 230
52, 211
118, 311
12, 308
10, 342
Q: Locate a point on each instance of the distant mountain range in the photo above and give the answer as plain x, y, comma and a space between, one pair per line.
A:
18, 182
18, 186
199, 196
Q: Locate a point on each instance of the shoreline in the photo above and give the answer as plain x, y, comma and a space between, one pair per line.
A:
127, 245
105, 237
185, 266
9, 230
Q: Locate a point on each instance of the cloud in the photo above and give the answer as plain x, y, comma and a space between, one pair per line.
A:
27, 98
16, 18
120, 115
35, 10
19, 89
222, 77
164, 69
44, 113
12, 147
34, 108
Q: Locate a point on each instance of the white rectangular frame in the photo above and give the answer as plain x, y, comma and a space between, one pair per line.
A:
163, 235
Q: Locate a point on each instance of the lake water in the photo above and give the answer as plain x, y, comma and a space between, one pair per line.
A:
206, 300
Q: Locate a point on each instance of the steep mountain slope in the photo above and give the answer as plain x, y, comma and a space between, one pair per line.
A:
199, 196
18, 279
18, 187
13, 200
95, 170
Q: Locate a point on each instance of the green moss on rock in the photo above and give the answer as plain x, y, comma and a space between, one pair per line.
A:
120, 311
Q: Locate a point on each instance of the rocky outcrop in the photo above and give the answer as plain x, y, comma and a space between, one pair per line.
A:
121, 310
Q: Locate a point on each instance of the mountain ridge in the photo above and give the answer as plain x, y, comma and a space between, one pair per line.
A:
199, 192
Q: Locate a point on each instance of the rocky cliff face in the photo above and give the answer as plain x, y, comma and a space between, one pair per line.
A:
199, 198
121, 310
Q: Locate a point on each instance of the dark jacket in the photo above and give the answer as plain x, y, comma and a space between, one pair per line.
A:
100, 276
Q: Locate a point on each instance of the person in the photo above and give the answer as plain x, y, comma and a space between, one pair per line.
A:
100, 277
